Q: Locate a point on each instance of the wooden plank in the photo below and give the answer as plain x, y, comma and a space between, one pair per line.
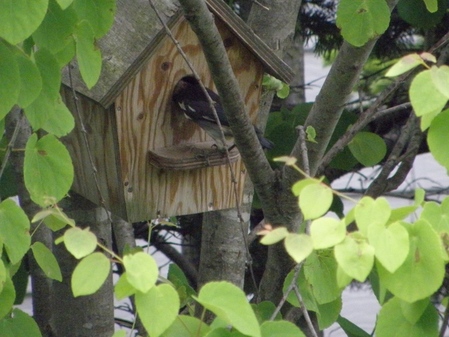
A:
190, 156
147, 120
101, 133
273, 64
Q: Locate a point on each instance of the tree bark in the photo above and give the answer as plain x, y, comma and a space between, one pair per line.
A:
40, 283
84, 316
223, 252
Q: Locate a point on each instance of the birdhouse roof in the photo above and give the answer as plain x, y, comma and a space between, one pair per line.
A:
137, 32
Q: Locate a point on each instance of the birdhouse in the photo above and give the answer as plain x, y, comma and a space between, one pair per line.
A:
150, 160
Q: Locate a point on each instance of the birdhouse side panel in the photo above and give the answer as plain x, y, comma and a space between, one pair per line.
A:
101, 134
147, 120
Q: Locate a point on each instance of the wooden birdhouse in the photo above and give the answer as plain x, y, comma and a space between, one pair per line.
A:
149, 158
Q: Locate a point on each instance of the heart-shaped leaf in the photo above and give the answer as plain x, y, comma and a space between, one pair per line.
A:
80, 242
390, 243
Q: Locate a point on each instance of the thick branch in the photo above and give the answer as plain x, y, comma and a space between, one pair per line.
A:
329, 103
202, 23
407, 145
365, 118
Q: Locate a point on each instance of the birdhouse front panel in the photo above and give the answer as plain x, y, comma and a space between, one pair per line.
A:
168, 164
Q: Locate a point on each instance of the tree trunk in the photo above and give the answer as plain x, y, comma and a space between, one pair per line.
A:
84, 316
223, 252
40, 283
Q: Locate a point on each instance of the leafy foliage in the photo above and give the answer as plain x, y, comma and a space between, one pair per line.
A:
39, 37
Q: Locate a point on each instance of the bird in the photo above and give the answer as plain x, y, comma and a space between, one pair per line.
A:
190, 97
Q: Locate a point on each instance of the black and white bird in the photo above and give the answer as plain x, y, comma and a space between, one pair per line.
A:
189, 96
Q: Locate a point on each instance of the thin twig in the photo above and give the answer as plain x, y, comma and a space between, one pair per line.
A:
382, 182
10, 146
304, 154
86, 143
445, 321
368, 114
259, 4
305, 312
290, 287
217, 120
209, 100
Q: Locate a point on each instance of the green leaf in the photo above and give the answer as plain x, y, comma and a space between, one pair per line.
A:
391, 322
437, 138
355, 256
264, 310
274, 236
50, 73
299, 185
14, 230
7, 297
436, 216
123, 288
420, 195
19, 18
328, 313
401, 213
38, 111
305, 289
222, 332
51, 115
178, 279
23, 325
413, 311
119, 333
362, 20
432, 5
368, 148
5, 329
3, 271
271, 82
47, 160
280, 329
416, 13
157, 308
390, 243
64, 3
298, 246
10, 75
424, 96
90, 274
229, 302
30, 79
351, 329
53, 218
183, 326
320, 271
308, 200
311, 134
327, 232
80, 242
98, 13
423, 270
370, 212
56, 31
87, 54
343, 279
440, 79
141, 271
47, 261
405, 63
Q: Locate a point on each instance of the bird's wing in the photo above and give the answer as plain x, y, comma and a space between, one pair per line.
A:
201, 110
